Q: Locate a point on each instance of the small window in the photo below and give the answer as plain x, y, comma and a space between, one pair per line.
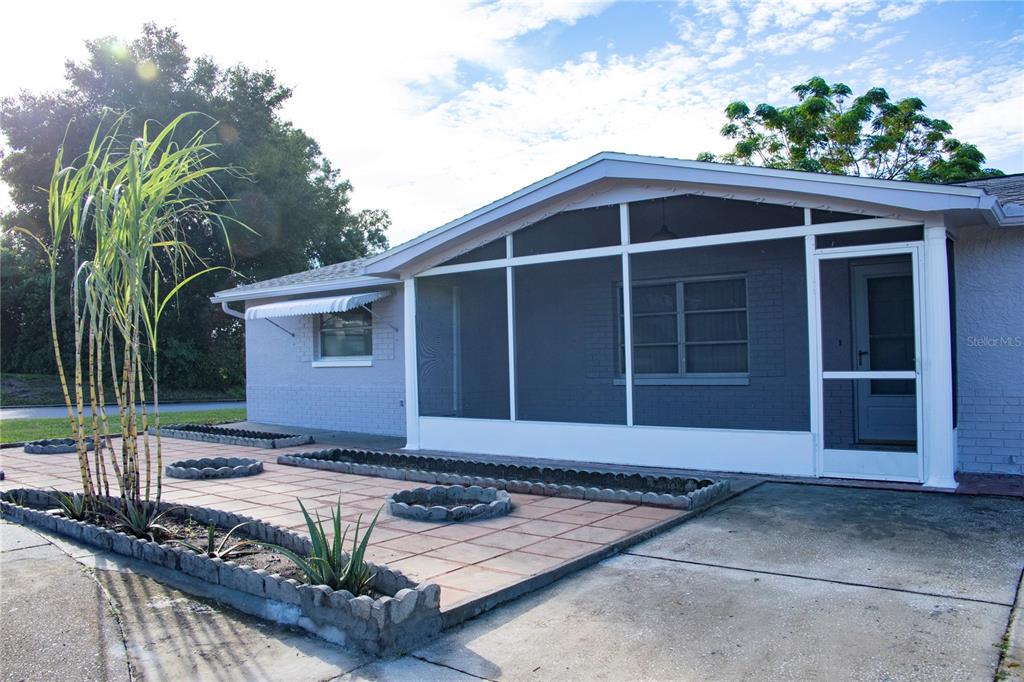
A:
689, 327
346, 338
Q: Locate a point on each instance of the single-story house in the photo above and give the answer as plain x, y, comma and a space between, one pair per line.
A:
663, 312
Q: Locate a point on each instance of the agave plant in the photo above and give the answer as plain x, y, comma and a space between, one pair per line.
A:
139, 518
327, 563
74, 506
222, 551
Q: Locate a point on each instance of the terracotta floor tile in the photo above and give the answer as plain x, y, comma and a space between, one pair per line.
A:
656, 513
499, 523
476, 579
531, 511
580, 518
545, 527
450, 597
380, 533
562, 547
606, 507
595, 534
384, 555
416, 543
423, 567
237, 506
458, 531
559, 502
623, 522
467, 552
368, 504
521, 498
335, 497
408, 525
505, 539
522, 563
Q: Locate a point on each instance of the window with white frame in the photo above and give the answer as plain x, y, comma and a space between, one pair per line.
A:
346, 337
688, 327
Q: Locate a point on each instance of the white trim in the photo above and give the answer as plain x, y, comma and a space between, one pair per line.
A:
315, 306
510, 322
890, 465
871, 374
627, 312
354, 361
686, 243
340, 284
412, 400
784, 453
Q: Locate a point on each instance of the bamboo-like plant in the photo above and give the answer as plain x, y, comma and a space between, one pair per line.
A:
131, 203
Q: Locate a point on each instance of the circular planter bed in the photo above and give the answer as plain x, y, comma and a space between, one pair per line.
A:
214, 467
55, 446
451, 503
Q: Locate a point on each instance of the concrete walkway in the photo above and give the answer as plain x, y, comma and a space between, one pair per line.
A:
61, 411
782, 582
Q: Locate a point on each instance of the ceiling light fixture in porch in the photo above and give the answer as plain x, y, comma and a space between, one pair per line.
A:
664, 233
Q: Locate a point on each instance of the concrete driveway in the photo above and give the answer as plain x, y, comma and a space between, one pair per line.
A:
783, 582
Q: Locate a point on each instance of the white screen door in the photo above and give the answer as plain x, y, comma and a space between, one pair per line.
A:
869, 408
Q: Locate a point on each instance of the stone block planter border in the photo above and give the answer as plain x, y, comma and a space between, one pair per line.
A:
214, 467
383, 626
526, 479
55, 446
431, 504
228, 436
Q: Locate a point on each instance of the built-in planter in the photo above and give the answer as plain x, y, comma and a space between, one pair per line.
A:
229, 436
56, 446
676, 492
408, 614
450, 503
214, 467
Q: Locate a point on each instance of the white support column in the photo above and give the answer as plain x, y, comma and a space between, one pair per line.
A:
412, 401
814, 350
936, 386
627, 312
510, 302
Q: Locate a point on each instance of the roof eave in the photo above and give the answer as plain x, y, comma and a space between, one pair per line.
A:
340, 284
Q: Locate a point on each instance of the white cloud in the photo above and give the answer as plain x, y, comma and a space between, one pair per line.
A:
899, 11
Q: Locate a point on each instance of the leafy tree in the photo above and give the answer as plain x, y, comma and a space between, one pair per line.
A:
293, 199
830, 131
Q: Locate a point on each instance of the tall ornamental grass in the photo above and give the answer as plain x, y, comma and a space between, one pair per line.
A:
122, 211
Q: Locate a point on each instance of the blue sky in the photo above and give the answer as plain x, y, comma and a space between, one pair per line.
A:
433, 109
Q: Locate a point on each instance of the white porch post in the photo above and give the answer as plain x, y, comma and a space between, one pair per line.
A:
939, 444
412, 402
627, 311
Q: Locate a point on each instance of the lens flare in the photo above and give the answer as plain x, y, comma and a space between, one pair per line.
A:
147, 69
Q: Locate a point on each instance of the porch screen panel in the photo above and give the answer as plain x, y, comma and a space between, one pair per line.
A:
566, 334
462, 345
859, 417
694, 216
587, 228
720, 337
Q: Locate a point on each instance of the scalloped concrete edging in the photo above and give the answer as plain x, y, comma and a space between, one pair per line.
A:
223, 436
427, 504
214, 467
383, 626
56, 446
700, 496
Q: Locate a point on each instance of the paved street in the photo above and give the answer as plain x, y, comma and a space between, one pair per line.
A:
782, 582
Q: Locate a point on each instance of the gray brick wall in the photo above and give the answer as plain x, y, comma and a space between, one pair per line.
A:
990, 350
282, 386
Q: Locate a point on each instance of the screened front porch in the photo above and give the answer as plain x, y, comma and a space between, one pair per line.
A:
688, 331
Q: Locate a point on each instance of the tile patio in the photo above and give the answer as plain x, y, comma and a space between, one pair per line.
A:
467, 559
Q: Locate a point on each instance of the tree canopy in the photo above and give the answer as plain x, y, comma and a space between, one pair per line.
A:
293, 198
829, 130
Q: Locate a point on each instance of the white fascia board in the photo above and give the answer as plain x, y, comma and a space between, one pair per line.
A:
923, 197
340, 284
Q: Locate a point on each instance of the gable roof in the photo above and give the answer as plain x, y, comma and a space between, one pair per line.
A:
381, 268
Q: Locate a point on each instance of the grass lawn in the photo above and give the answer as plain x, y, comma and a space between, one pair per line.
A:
42, 389
16, 430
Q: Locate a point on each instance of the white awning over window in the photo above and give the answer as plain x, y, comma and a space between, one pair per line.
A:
313, 306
